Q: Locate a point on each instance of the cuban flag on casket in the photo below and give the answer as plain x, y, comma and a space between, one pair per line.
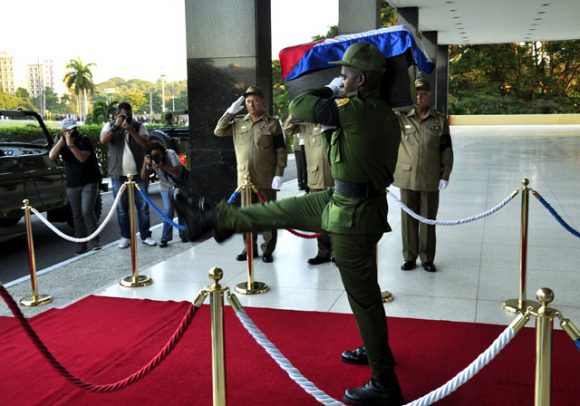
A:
307, 66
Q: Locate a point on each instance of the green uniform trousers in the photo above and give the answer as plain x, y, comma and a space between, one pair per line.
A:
324, 243
354, 255
419, 239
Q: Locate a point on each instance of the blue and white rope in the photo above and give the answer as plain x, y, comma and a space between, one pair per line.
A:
470, 371
451, 222
159, 211
283, 362
93, 235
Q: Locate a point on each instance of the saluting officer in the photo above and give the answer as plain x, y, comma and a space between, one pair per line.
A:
260, 153
362, 157
424, 166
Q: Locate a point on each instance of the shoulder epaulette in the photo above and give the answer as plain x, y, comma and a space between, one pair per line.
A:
341, 102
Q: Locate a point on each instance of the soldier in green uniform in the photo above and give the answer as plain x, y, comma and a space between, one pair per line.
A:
319, 175
424, 165
362, 154
260, 153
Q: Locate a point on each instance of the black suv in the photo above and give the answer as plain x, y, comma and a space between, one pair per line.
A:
27, 173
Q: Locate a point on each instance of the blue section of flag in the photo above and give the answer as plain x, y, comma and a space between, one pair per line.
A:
392, 41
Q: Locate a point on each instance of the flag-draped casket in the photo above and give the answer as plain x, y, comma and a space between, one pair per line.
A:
307, 66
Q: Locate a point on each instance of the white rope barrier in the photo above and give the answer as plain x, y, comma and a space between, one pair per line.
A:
283, 362
93, 235
470, 371
452, 222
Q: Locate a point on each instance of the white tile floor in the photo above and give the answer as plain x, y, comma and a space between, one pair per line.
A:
478, 263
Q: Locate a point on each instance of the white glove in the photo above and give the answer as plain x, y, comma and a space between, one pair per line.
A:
335, 85
236, 106
277, 183
443, 184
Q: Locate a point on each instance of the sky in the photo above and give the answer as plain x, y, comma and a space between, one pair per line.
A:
132, 39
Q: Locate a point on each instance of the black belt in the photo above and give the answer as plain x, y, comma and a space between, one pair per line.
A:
347, 189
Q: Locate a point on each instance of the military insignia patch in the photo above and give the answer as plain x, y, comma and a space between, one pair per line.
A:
341, 102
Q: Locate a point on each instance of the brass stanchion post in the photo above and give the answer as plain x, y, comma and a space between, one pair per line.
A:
135, 280
520, 304
216, 297
250, 287
35, 299
544, 323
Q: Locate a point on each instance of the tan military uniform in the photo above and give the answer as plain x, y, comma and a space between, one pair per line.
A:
256, 156
425, 157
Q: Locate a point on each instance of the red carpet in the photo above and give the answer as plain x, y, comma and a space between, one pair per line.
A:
105, 339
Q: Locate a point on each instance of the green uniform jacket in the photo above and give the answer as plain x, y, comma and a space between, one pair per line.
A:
425, 153
363, 149
319, 175
260, 147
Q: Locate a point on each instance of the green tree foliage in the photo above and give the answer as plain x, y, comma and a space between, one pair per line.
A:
517, 78
102, 112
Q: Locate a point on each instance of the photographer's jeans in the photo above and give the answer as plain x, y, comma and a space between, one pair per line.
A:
169, 211
123, 209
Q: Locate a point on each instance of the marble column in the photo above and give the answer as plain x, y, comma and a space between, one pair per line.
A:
228, 49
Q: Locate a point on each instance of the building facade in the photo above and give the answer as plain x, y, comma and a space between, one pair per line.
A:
6, 73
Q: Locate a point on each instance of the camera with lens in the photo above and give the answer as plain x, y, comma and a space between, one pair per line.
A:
128, 119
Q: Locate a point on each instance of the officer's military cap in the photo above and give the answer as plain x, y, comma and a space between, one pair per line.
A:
422, 84
254, 90
363, 56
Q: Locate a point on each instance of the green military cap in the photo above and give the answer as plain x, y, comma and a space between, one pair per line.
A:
254, 90
363, 56
422, 84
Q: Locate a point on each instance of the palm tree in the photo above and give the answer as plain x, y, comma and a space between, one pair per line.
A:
79, 79
104, 111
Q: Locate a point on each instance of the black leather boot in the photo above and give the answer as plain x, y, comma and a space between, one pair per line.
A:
357, 356
200, 220
385, 392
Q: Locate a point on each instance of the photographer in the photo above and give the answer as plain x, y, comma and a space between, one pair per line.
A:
165, 163
126, 139
82, 180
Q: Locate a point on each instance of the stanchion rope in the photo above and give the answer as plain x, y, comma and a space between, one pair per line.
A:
79, 382
452, 222
555, 214
283, 362
93, 235
159, 212
452, 385
470, 371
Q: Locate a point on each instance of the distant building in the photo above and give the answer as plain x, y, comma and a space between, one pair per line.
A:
6, 73
40, 76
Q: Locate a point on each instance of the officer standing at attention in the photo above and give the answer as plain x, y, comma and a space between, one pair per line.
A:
260, 153
299, 151
424, 165
319, 175
362, 156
